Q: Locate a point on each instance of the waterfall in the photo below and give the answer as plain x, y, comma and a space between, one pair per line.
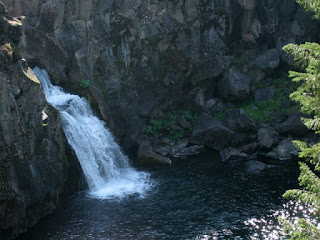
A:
106, 168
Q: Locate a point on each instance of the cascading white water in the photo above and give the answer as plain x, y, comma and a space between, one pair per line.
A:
106, 168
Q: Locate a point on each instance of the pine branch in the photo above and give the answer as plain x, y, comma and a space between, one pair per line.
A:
311, 6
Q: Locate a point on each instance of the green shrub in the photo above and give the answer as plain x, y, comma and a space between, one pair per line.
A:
257, 114
164, 124
84, 83
221, 115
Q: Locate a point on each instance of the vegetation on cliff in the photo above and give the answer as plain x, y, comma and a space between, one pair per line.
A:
307, 56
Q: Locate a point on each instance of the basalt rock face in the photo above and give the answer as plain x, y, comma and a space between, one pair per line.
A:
142, 57
36, 164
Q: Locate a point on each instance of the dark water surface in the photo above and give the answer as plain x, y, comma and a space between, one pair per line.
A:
195, 198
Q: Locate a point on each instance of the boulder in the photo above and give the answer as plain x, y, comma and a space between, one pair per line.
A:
147, 155
264, 94
272, 155
254, 166
178, 147
250, 148
240, 138
256, 75
266, 137
51, 15
232, 154
294, 126
193, 150
286, 149
234, 86
211, 132
197, 99
184, 123
213, 67
187, 151
214, 105
167, 147
237, 120
267, 61
163, 147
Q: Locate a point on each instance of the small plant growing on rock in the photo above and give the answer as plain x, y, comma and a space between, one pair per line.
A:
84, 83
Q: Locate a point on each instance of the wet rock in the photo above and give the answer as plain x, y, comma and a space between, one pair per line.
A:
163, 147
182, 144
237, 120
272, 155
234, 86
183, 151
211, 132
286, 149
294, 126
250, 148
232, 154
193, 150
147, 155
266, 137
254, 166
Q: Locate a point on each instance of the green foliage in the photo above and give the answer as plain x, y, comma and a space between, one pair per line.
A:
257, 112
311, 6
307, 57
301, 230
221, 115
165, 124
84, 83
311, 187
258, 84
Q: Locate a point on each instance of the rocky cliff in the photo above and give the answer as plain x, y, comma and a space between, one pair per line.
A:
36, 164
137, 60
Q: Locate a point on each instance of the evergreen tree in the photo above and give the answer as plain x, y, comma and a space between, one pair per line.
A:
307, 56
